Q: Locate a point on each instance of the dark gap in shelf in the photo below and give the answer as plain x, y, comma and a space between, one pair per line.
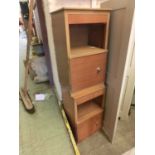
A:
92, 35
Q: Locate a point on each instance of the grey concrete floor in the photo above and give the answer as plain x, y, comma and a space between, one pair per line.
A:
44, 132
98, 144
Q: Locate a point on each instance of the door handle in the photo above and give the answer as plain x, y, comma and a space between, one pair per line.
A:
98, 69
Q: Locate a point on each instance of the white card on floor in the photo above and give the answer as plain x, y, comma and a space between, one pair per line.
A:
39, 97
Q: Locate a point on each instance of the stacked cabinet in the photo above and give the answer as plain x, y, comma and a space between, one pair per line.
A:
81, 38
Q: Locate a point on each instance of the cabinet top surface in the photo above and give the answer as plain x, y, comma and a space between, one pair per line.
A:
81, 9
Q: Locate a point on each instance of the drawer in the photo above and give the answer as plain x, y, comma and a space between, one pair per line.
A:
85, 18
89, 127
87, 71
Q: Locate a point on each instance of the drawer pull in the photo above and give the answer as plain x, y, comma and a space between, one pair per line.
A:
97, 123
98, 69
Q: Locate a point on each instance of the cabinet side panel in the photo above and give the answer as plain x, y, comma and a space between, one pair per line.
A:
59, 32
69, 106
58, 23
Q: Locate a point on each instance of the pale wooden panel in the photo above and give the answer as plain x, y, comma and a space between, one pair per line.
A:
85, 51
116, 39
120, 27
115, 4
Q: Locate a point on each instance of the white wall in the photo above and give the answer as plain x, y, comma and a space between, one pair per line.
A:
56, 4
97, 3
51, 48
128, 82
49, 6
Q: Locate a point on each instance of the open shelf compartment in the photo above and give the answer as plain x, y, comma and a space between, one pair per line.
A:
87, 39
89, 109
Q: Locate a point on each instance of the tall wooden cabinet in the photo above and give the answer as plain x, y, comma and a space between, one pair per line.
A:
80, 38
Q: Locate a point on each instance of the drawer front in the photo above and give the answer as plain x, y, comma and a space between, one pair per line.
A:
89, 127
84, 18
89, 97
87, 71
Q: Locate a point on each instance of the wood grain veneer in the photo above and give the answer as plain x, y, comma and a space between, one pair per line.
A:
80, 38
83, 71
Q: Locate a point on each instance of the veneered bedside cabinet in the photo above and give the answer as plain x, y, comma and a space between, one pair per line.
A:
81, 38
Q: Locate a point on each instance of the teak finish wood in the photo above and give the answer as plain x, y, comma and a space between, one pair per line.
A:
88, 110
88, 127
81, 53
87, 94
69, 106
60, 42
86, 13
84, 73
87, 18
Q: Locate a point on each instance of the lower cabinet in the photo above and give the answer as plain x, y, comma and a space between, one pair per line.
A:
81, 39
89, 126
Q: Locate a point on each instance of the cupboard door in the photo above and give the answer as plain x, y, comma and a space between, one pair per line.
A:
87, 71
89, 127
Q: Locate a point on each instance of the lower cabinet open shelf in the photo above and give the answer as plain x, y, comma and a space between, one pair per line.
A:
88, 110
89, 118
